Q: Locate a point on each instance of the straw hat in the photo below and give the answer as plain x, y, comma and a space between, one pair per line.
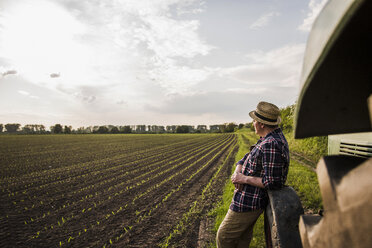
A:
266, 113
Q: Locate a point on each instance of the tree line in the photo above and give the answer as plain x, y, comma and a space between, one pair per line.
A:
64, 129
287, 115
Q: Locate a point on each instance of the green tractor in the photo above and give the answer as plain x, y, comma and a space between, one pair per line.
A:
335, 100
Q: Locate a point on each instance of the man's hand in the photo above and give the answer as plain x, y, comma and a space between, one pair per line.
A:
238, 184
238, 178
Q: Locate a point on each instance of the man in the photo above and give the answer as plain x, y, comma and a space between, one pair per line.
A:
264, 168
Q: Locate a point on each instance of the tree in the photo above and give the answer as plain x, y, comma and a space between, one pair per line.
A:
115, 130
1, 128
230, 127
287, 118
33, 128
127, 129
141, 128
41, 128
157, 129
214, 128
182, 129
57, 128
110, 127
250, 126
201, 129
171, 129
12, 128
102, 129
67, 129
222, 128
28, 129
241, 125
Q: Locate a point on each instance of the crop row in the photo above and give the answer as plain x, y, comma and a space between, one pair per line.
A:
106, 202
96, 167
70, 149
47, 172
198, 205
123, 186
212, 158
91, 197
123, 169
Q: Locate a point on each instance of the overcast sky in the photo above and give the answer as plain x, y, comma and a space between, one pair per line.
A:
163, 62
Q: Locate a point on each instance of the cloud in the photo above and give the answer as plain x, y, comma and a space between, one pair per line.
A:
263, 20
190, 7
151, 41
9, 72
230, 104
87, 94
216, 102
121, 102
315, 6
98, 43
280, 67
55, 75
22, 92
254, 91
177, 79
25, 93
89, 99
169, 42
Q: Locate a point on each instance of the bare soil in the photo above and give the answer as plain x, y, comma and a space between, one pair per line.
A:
111, 216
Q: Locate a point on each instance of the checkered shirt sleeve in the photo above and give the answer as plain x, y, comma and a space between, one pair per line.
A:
274, 163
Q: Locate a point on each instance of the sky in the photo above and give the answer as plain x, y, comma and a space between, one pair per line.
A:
151, 62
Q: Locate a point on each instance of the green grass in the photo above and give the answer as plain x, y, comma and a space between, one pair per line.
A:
312, 148
301, 178
305, 183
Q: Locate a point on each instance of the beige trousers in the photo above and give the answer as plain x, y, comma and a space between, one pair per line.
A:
236, 230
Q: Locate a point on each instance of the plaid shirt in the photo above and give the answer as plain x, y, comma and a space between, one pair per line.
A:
269, 159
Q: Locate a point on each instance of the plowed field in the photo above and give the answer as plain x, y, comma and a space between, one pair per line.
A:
109, 190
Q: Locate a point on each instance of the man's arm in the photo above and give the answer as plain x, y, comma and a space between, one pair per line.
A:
241, 161
240, 178
238, 169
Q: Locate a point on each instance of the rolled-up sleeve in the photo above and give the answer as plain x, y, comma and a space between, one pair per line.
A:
241, 161
274, 166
